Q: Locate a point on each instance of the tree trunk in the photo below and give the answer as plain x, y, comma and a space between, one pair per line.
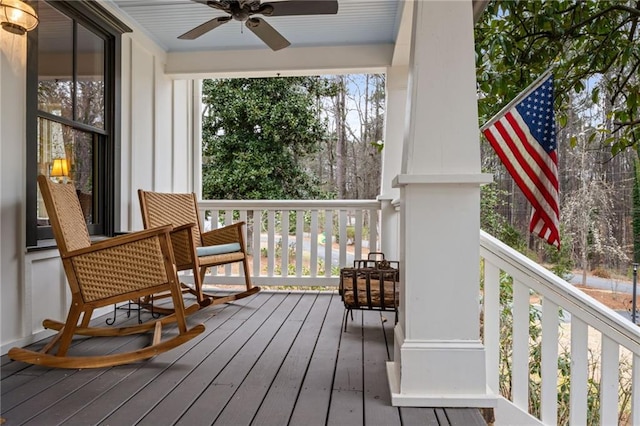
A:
341, 140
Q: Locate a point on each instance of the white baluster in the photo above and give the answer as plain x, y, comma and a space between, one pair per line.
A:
549, 363
520, 373
492, 310
342, 220
257, 215
635, 389
271, 245
284, 264
579, 371
313, 266
609, 369
299, 241
358, 235
328, 242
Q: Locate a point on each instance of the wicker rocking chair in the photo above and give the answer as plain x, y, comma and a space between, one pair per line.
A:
194, 249
104, 273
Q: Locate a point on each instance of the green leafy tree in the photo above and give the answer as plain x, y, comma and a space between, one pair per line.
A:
492, 221
584, 41
256, 132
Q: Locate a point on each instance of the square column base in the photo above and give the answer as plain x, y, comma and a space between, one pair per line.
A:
438, 374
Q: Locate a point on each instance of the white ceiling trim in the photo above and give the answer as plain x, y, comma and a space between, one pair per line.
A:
287, 62
403, 39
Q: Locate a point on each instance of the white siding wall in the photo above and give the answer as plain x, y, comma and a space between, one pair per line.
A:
157, 147
140, 145
184, 146
12, 188
156, 154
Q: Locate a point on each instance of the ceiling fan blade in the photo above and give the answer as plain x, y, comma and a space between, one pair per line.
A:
267, 33
205, 28
301, 7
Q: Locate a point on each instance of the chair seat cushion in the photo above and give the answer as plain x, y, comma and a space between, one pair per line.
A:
217, 249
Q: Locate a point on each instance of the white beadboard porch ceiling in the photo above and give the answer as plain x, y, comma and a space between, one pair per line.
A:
364, 36
356, 23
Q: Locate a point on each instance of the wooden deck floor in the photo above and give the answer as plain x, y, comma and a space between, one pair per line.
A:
275, 358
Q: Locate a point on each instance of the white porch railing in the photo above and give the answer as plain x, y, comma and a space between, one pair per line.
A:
296, 242
559, 334
552, 321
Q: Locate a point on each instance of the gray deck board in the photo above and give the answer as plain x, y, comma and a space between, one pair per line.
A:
171, 366
172, 393
279, 403
377, 399
9, 368
50, 380
313, 399
419, 416
247, 399
346, 405
60, 393
223, 386
464, 416
276, 358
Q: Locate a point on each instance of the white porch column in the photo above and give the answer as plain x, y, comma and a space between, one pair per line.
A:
396, 90
439, 359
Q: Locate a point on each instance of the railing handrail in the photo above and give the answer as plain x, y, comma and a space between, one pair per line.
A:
589, 310
291, 204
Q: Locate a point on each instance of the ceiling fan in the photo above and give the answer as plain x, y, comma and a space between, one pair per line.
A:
244, 11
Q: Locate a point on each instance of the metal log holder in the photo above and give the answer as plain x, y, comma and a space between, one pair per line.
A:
371, 284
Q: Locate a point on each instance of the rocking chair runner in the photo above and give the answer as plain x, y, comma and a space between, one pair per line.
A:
100, 274
194, 249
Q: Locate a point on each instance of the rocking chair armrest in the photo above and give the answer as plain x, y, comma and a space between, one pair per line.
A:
225, 235
183, 227
120, 240
182, 236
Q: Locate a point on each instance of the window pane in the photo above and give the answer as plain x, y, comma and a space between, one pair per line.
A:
90, 84
65, 155
82, 172
55, 62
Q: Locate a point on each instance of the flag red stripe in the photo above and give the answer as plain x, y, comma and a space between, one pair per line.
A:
516, 176
520, 150
546, 169
524, 151
537, 194
538, 226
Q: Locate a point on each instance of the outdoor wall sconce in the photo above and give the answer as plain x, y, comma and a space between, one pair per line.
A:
59, 169
17, 17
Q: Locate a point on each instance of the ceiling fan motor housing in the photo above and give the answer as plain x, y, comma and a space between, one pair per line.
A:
243, 10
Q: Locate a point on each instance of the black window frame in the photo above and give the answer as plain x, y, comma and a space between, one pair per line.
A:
107, 152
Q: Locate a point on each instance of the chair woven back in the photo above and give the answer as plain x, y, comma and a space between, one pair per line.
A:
65, 215
175, 209
171, 209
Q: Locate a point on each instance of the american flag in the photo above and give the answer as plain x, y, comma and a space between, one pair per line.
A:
524, 137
